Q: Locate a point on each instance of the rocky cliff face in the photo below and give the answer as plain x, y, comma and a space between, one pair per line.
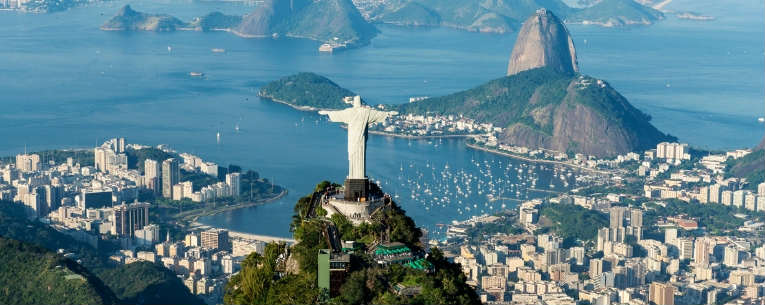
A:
592, 118
543, 41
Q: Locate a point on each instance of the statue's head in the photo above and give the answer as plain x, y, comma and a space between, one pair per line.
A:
357, 101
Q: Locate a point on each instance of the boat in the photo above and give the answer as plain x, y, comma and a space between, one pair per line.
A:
196, 74
326, 48
761, 120
217, 137
218, 50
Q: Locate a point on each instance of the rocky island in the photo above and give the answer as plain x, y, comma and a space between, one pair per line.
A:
337, 23
128, 19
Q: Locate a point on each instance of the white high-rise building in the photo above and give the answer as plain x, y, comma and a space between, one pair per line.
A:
714, 193
152, 171
28, 163
234, 181
730, 257
661, 150
670, 235
750, 201
672, 151
726, 198
738, 198
701, 251
686, 248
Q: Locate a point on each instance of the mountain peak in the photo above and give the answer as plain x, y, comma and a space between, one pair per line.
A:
543, 41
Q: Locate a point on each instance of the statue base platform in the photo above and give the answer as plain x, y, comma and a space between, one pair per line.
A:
356, 211
356, 189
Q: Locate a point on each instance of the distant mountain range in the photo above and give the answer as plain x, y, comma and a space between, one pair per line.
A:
336, 22
500, 16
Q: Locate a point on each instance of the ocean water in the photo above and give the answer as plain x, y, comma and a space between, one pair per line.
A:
64, 83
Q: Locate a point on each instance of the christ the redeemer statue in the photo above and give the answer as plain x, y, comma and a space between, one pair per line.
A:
358, 119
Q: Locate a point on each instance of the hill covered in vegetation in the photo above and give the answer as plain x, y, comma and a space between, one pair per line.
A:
548, 109
33, 275
288, 275
751, 167
138, 283
306, 91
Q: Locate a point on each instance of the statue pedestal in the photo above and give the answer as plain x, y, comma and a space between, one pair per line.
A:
357, 189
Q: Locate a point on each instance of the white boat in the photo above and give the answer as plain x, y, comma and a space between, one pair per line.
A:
218, 50
196, 74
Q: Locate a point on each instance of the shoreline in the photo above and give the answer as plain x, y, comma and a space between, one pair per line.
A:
194, 217
293, 106
412, 137
510, 155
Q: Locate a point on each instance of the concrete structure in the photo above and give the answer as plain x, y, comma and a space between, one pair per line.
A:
662, 294
216, 239
234, 181
28, 162
128, 218
171, 175
152, 173
332, 269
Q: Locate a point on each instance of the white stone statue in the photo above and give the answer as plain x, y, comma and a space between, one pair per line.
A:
358, 119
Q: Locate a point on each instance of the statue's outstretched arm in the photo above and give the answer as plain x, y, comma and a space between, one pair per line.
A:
380, 116
340, 116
